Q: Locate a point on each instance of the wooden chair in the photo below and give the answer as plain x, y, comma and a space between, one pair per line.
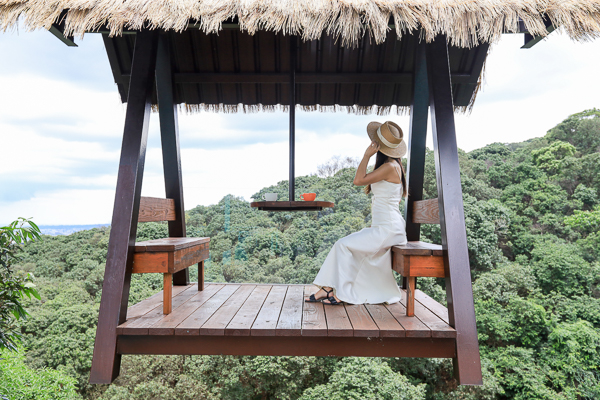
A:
169, 255
419, 258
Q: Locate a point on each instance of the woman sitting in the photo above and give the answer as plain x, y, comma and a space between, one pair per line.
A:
358, 267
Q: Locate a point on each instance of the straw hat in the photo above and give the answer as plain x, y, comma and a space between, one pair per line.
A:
389, 135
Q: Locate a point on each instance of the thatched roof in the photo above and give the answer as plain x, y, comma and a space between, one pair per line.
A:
465, 22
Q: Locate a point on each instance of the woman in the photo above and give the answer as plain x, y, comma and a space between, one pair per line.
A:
358, 269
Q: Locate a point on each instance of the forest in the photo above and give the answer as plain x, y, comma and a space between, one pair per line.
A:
532, 216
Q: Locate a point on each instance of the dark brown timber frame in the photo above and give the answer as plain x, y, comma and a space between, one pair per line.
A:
459, 292
152, 59
169, 133
117, 277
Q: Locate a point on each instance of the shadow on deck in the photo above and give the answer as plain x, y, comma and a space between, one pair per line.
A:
260, 319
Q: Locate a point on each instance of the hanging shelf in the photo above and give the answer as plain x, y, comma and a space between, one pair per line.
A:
291, 205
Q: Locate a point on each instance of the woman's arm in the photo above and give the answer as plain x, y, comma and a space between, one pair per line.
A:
362, 178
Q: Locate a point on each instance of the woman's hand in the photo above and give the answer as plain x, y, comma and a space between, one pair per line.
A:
372, 149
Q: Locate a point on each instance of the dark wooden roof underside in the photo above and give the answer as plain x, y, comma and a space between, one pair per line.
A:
224, 68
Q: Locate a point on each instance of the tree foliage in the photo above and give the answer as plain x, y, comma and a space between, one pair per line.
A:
533, 232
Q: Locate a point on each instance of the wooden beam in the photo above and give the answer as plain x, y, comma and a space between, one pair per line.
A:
301, 77
58, 31
288, 346
115, 290
292, 139
531, 40
169, 133
459, 291
417, 137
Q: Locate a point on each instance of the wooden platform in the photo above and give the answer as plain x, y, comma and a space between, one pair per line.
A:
257, 319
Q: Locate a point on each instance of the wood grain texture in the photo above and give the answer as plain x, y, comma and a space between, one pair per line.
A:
191, 325
361, 320
426, 212
387, 324
413, 326
153, 209
166, 325
439, 328
145, 306
169, 244
266, 320
278, 310
313, 316
216, 324
150, 262
167, 293
419, 249
425, 266
461, 309
242, 322
410, 296
184, 258
290, 319
141, 326
338, 323
201, 275
169, 261
432, 305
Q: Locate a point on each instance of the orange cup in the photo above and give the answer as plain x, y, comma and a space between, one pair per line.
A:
308, 196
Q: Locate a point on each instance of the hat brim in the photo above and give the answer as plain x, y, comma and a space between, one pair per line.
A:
398, 152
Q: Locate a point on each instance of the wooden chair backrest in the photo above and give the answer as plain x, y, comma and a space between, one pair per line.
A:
153, 209
426, 212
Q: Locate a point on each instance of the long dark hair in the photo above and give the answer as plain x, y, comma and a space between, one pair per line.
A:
382, 159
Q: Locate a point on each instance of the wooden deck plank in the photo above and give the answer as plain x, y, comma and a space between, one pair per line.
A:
242, 322
387, 324
432, 305
166, 326
290, 319
313, 316
266, 321
147, 305
439, 328
141, 325
338, 323
412, 325
215, 326
280, 310
191, 325
361, 320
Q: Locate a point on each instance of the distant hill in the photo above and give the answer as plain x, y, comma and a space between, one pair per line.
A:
57, 230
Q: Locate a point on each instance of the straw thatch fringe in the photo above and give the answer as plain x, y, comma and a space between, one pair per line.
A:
256, 108
465, 22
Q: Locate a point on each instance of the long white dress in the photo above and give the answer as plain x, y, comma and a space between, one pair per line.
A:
359, 266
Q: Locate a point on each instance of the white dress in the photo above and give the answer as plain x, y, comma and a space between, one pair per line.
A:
359, 266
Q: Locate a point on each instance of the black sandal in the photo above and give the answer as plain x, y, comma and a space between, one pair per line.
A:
313, 299
332, 301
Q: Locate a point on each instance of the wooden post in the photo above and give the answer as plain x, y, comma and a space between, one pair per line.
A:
167, 293
115, 290
417, 135
292, 180
169, 134
459, 292
201, 276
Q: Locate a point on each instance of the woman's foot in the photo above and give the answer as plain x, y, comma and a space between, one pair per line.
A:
322, 294
331, 298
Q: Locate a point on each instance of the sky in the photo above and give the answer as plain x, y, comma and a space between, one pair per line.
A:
61, 122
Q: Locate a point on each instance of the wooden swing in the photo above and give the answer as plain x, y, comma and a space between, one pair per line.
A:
267, 69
